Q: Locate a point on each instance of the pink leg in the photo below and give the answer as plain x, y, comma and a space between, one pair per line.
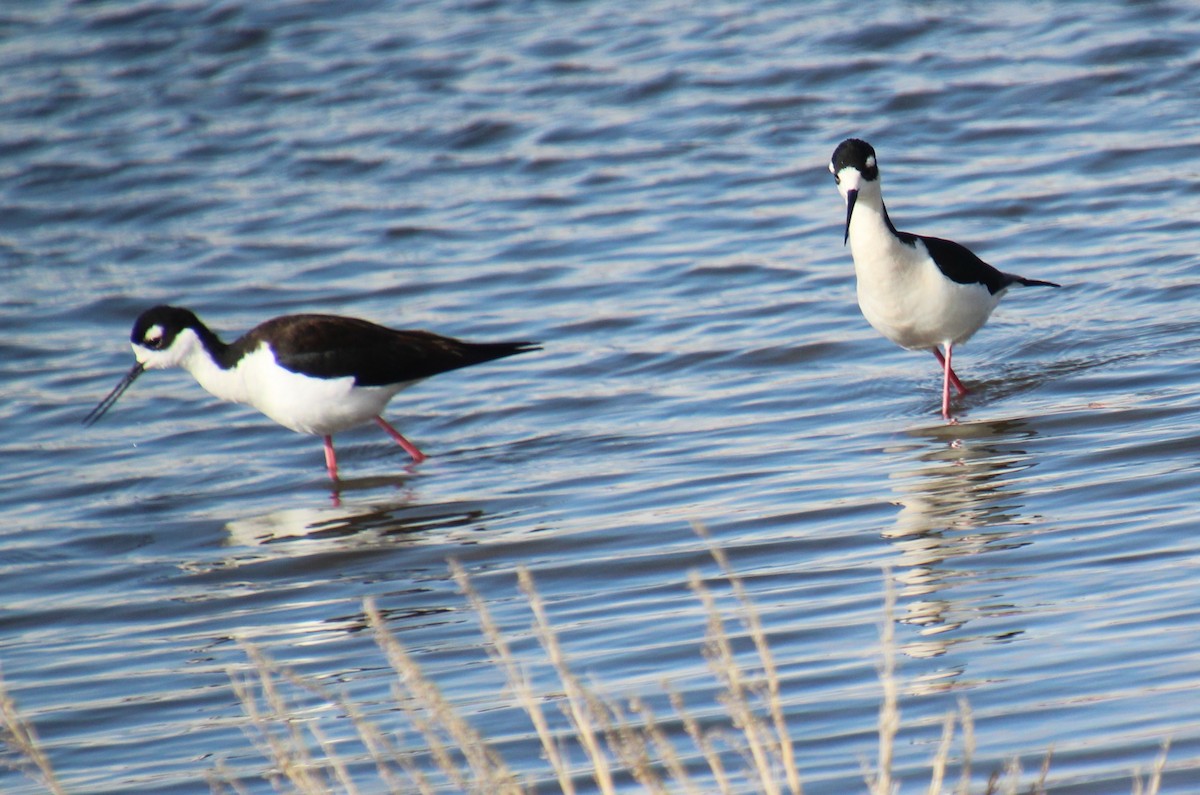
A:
962, 390
330, 458
412, 450
946, 384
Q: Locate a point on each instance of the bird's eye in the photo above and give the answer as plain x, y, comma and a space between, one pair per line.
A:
153, 338
837, 180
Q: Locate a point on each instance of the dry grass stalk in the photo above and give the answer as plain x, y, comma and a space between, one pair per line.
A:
889, 706
384, 753
500, 652
1009, 779
666, 749
938, 768
285, 749
1154, 781
967, 719
737, 699
19, 737
221, 777
1014, 771
340, 772
753, 623
274, 728
702, 741
633, 747
577, 700
296, 770
437, 720
1040, 784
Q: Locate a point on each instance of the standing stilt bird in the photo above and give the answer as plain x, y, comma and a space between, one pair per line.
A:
317, 374
919, 292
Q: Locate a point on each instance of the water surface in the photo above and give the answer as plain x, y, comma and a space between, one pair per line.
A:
643, 188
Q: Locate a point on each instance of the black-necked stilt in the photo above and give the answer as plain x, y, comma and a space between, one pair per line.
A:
318, 374
919, 292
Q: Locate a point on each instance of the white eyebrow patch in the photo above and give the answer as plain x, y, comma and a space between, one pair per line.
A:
831, 168
870, 161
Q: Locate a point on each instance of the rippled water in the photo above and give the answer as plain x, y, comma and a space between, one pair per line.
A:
643, 188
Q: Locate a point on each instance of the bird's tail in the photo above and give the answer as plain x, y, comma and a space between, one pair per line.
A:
478, 352
1021, 280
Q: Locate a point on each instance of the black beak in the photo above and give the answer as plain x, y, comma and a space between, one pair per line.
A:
851, 198
106, 404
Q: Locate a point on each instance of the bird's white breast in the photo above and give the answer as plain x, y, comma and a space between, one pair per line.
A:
904, 295
302, 403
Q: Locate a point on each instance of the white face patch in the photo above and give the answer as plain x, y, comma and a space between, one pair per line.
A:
155, 354
848, 179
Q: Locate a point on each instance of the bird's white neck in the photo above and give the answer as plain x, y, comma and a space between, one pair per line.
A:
878, 253
226, 384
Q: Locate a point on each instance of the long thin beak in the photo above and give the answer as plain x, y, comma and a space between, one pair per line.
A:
851, 198
118, 390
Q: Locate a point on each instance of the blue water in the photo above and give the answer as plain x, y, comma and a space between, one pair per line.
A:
643, 188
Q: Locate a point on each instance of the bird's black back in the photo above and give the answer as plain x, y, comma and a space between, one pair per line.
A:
330, 346
959, 264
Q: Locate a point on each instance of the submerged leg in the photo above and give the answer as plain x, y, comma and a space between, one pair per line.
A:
330, 458
411, 449
962, 390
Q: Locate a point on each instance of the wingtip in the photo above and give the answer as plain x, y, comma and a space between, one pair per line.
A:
1012, 278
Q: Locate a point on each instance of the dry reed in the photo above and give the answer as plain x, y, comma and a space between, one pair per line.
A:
880, 783
22, 751
605, 739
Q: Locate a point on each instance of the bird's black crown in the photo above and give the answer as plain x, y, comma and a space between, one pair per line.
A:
857, 154
157, 327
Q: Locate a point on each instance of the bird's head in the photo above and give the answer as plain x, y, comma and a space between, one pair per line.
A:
855, 171
165, 336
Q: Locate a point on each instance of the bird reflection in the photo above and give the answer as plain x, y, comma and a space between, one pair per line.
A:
959, 498
362, 524
326, 553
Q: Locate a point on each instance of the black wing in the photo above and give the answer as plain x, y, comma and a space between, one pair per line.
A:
328, 346
960, 264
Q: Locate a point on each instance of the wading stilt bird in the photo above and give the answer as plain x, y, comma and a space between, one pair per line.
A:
919, 292
317, 374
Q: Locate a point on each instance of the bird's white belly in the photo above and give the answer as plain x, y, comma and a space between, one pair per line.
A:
904, 296
319, 406
322, 406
